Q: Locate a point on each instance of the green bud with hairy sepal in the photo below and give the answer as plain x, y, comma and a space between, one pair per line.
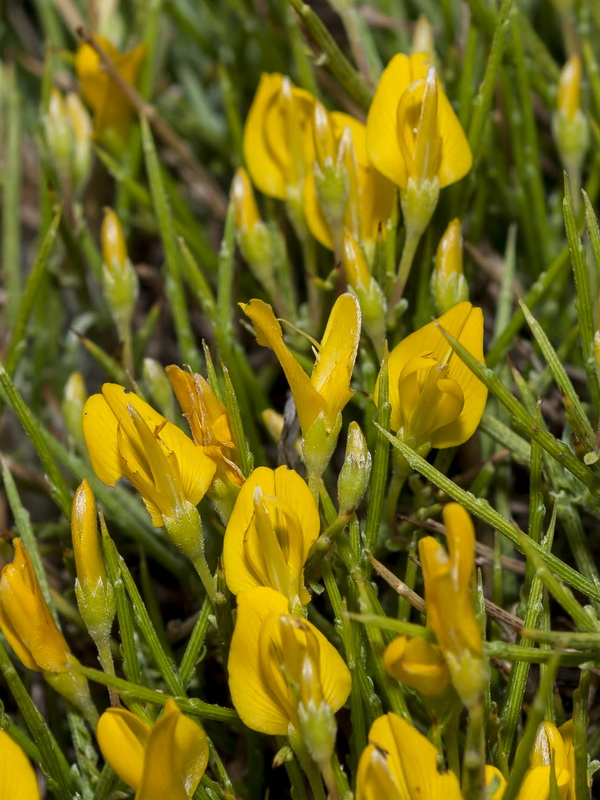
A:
355, 472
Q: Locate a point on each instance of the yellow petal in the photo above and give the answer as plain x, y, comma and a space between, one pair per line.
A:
382, 139
84, 532
412, 760
175, 757
418, 664
308, 401
461, 544
252, 699
17, 777
242, 568
194, 470
122, 738
100, 433
457, 158
374, 779
25, 618
464, 323
491, 774
257, 688
266, 136
332, 372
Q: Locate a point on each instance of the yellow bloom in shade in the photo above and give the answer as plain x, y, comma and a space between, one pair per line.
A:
112, 110
418, 664
412, 131
281, 668
447, 577
320, 398
273, 525
17, 777
369, 195
26, 620
399, 763
436, 400
166, 760
278, 144
125, 437
209, 422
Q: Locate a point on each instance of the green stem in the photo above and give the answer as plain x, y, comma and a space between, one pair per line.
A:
413, 237
474, 757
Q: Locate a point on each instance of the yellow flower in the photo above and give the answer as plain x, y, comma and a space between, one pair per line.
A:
31, 631
412, 131
281, 668
26, 620
369, 195
436, 400
93, 590
112, 110
209, 422
166, 760
418, 664
549, 756
570, 124
17, 777
278, 144
273, 525
125, 437
447, 577
448, 284
399, 763
320, 398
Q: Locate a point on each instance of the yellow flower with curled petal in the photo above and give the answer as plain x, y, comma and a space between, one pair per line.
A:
399, 763
26, 620
273, 525
125, 437
369, 195
447, 577
278, 144
30, 629
17, 776
166, 760
412, 130
419, 664
112, 110
281, 668
436, 400
209, 422
321, 397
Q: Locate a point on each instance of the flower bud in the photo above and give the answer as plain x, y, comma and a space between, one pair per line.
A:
93, 590
369, 292
158, 384
72, 407
423, 39
569, 124
331, 177
119, 279
69, 134
355, 471
253, 236
448, 284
